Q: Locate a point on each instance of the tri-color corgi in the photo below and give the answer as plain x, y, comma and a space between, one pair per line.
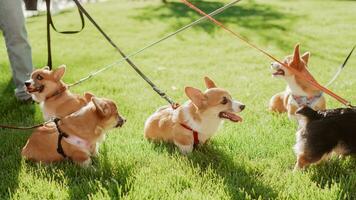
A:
298, 92
196, 121
47, 88
324, 132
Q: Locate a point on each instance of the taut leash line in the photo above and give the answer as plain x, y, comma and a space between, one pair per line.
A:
153, 86
25, 127
312, 82
217, 11
341, 67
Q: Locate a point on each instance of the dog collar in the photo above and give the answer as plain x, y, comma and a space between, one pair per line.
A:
305, 100
195, 134
58, 92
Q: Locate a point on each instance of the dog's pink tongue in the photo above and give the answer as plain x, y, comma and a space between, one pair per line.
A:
231, 116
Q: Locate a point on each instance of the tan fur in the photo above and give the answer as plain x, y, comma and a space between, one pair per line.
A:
89, 123
59, 105
278, 103
201, 113
303, 161
281, 102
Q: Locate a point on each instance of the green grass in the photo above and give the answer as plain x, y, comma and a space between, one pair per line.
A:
251, 160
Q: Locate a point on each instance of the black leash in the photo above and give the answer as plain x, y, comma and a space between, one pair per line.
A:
154, 87
51, 24
348, 56
24, 127
338, 72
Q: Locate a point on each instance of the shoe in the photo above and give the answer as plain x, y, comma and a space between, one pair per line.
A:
23, 96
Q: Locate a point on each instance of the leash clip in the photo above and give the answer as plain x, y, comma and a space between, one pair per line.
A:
175, 105
348, 104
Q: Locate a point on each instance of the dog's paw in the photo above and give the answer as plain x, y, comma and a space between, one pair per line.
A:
86, 163
95, 150
296, 169
185, 149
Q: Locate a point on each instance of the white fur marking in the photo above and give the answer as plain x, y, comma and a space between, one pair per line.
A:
236, 106
184, 149
86, 163
78, 142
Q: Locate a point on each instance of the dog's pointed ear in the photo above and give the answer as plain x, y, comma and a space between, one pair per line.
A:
59, 72
196, 96
46, 68
209, 83
88, 96
101, 106
296, 58
296, 55
305, 57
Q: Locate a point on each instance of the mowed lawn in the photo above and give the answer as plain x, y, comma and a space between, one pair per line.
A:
249, 160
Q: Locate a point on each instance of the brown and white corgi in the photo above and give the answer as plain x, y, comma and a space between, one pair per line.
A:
47, 88
298, 92
75, 136
196, 121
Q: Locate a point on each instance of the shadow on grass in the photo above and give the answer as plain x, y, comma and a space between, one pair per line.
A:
265, 20
241, 181
83, 183
336, 171
12, 112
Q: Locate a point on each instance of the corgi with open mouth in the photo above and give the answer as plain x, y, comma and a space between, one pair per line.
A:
196, 121
299, 92
47, 88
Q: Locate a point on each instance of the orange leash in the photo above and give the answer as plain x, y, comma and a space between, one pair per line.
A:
300, 75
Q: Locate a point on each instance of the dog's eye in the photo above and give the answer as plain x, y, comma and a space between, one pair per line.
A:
224, 101
39, 77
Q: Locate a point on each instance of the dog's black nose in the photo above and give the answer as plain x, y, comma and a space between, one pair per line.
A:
27, 83
123, 120
120, 122
242, 107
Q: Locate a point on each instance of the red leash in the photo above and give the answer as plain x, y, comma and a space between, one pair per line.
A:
300, 75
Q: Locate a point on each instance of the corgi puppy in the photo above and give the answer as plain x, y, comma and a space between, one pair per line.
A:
298, 92
324, 132
195, 121
75, 136
55, 99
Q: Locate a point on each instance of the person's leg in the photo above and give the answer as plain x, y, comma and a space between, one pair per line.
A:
12, 23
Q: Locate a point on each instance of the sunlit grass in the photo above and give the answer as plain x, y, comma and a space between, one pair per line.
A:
250, 160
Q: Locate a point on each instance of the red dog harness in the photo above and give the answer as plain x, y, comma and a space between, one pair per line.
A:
195, 134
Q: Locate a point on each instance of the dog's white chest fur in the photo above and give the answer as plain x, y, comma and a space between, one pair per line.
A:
46, 114
206, 128
294, 88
